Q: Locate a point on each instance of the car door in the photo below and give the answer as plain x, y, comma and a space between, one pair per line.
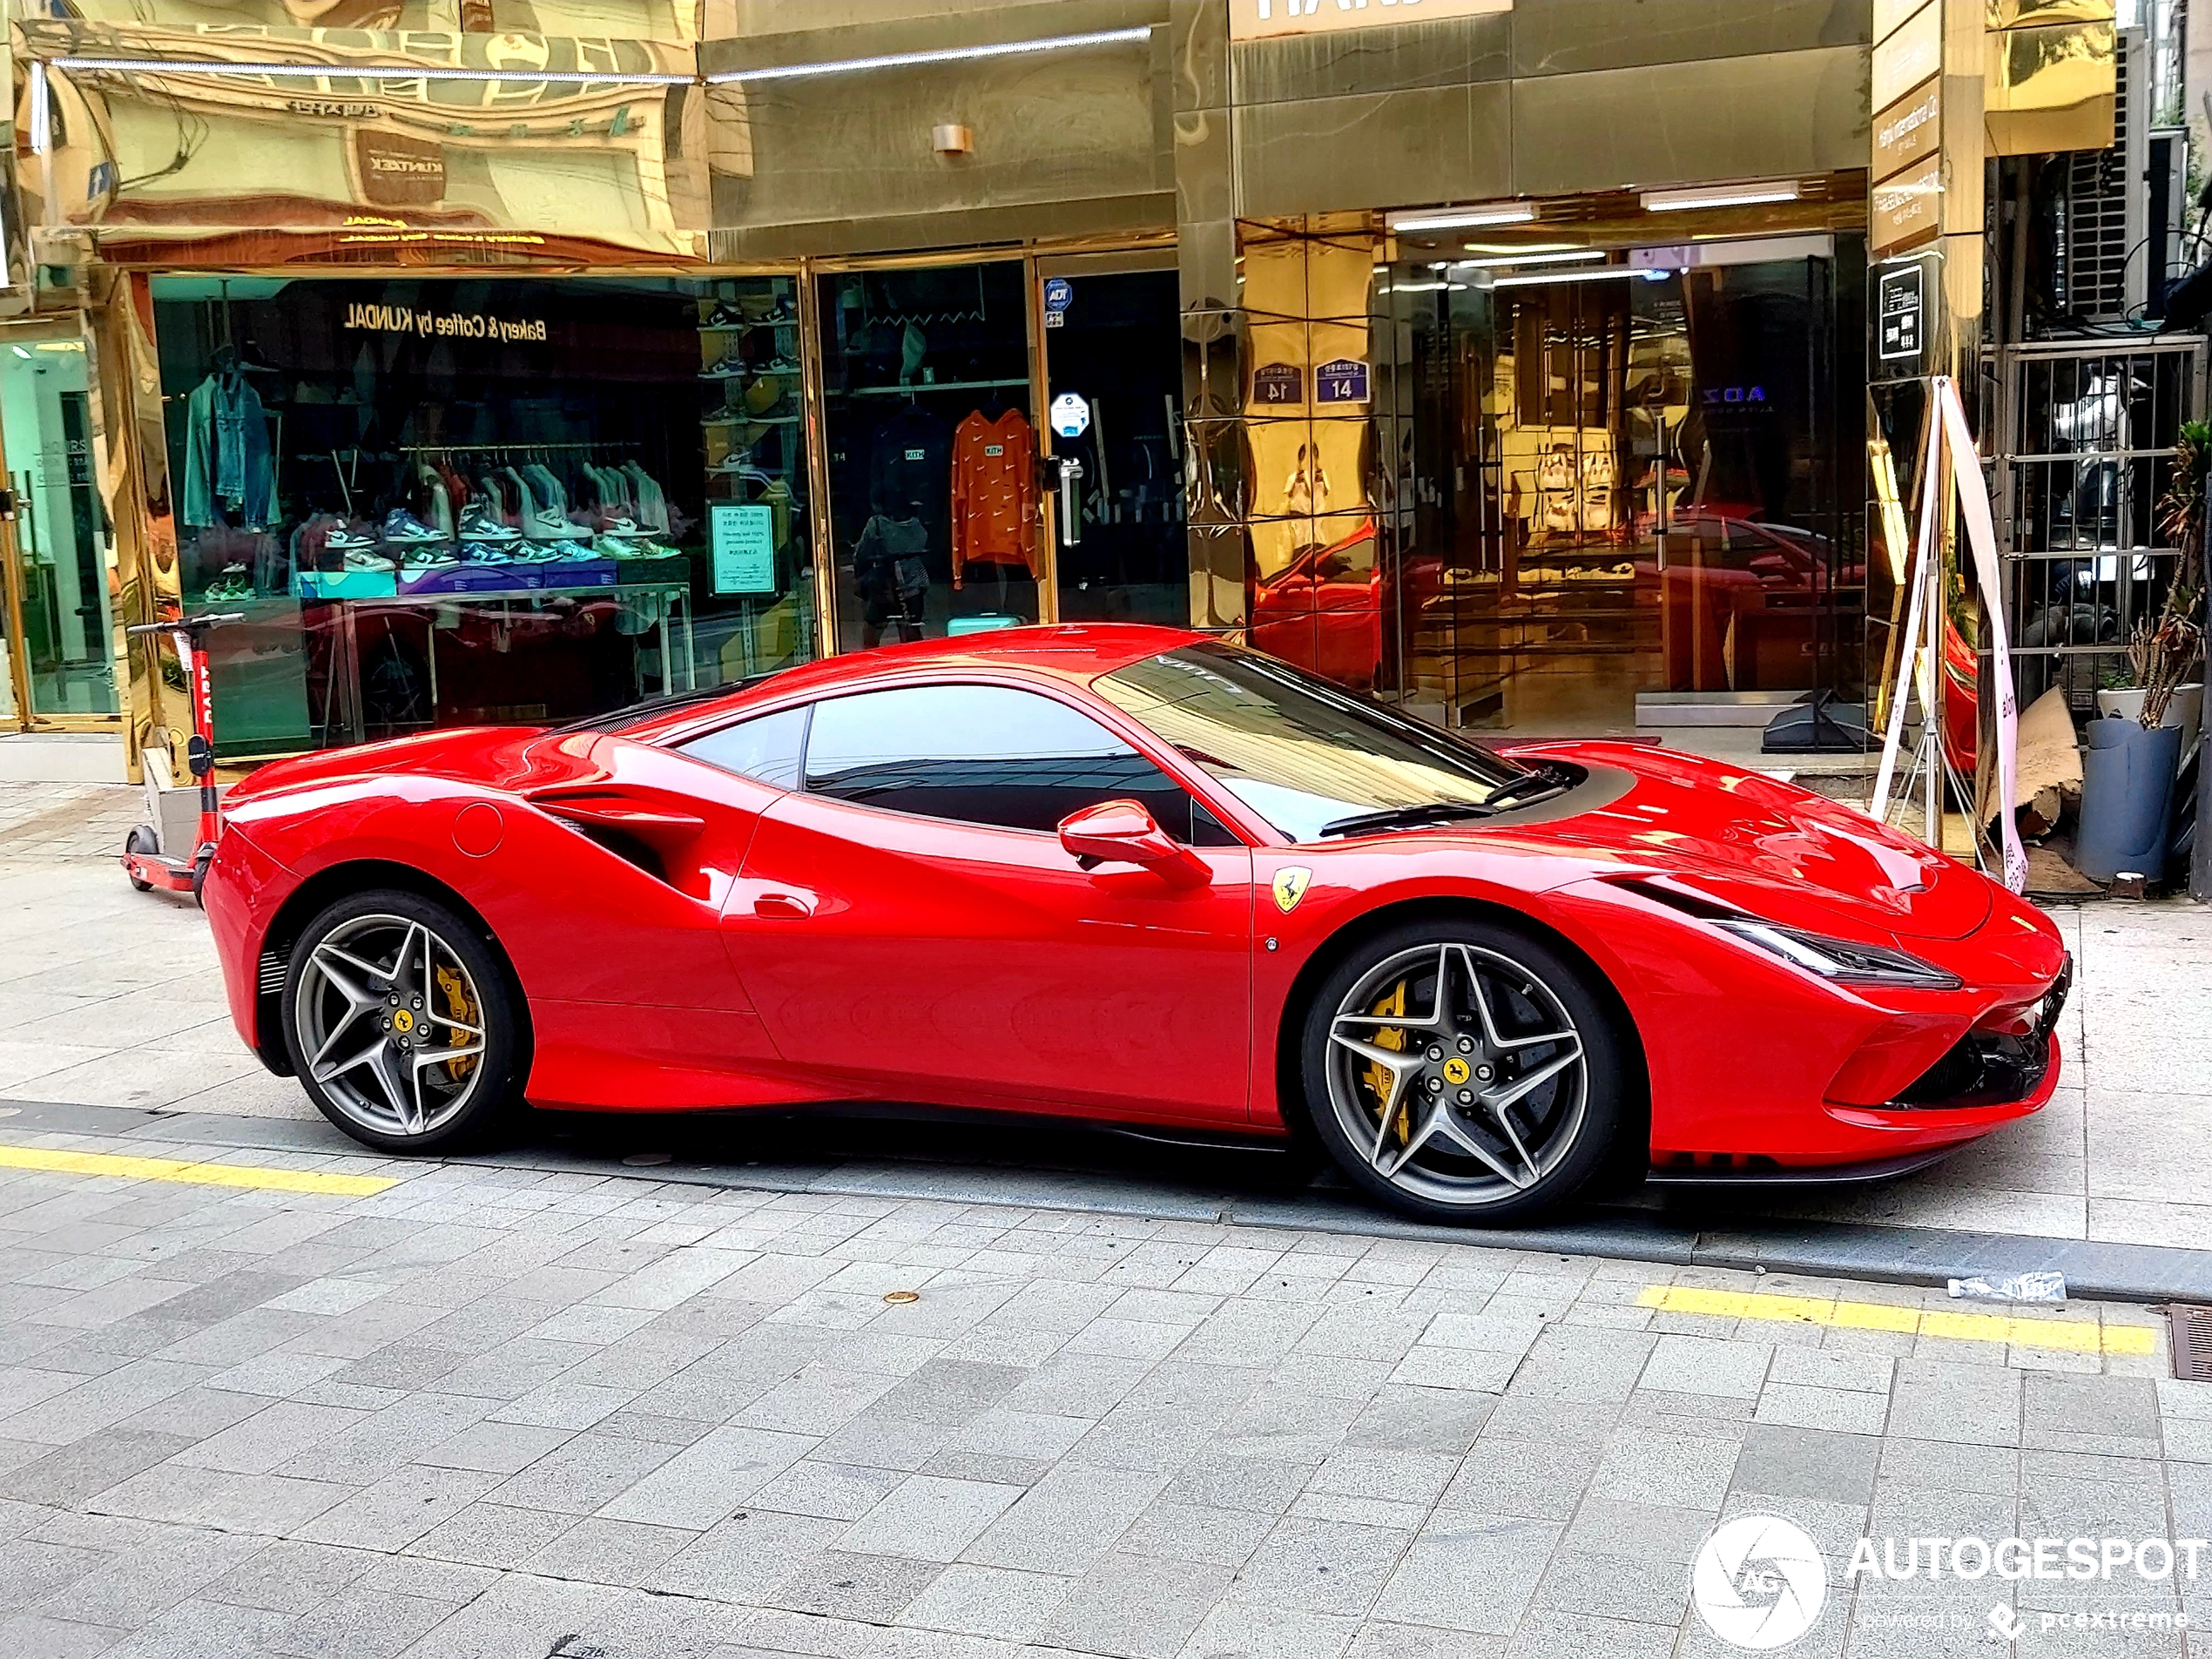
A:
909, 923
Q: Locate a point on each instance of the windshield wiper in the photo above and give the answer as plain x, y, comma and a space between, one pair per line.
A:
1390, 818
1543, 778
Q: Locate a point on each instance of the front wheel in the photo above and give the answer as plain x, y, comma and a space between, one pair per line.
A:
404, 1026
1464, 1071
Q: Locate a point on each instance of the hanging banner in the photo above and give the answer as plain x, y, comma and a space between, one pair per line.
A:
1949, 437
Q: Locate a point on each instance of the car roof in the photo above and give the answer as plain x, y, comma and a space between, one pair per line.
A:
1073, 652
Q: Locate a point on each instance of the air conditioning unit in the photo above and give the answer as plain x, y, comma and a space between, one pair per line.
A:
2104, 260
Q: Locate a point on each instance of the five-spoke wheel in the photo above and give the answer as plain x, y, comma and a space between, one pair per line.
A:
400, 1022
1464, 1071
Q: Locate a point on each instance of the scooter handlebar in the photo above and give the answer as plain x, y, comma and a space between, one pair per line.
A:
189, 624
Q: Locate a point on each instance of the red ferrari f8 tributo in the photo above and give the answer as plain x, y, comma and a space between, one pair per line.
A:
1140, 877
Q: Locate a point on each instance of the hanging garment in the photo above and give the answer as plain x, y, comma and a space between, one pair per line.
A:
910, 466
995, 493
229, 476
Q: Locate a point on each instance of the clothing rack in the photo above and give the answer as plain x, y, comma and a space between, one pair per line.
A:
932, 386
513, 449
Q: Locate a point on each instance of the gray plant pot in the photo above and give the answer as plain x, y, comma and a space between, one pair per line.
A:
2127, 799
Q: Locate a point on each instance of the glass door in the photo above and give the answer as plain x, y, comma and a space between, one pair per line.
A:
59, 623
1113, 393
932, 449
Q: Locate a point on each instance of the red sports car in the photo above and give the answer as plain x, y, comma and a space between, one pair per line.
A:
1140, 877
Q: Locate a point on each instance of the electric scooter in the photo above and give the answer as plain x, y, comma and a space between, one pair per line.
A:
146, 860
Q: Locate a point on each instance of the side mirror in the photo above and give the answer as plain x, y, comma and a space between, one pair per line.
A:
1120, 832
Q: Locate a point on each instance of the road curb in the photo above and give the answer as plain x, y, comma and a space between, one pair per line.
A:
1839, 1250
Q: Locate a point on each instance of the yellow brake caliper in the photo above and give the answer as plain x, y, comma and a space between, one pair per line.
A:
459, 1006
1390, 1037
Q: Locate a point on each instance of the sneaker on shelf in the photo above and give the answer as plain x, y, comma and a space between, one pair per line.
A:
568, 548
419, 559
346, 538
613, 547
629, 527
483, 553
362, 559
536, 553
726, 314
727, 368
479, 522
779, 364
545, 524
236, 582
403, 528
780, 311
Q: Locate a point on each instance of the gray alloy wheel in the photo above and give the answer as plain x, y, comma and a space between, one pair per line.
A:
1462, 1072
399, 1022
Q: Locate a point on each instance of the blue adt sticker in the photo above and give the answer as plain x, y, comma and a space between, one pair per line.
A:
1059, 293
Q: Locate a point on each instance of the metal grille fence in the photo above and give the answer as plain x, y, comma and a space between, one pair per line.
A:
2085, 445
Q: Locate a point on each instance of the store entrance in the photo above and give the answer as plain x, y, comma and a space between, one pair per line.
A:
1617, 490
1113, 378
57, 570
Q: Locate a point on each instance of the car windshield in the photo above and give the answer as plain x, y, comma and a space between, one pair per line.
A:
1309, 758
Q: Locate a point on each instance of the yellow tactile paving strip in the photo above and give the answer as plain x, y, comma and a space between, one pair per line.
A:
205, 1175
2067, 1336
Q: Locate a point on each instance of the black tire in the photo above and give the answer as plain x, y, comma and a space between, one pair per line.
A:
140, 842
1557, 1138
487, 1080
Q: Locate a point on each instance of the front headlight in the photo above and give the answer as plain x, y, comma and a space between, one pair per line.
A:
1840, 959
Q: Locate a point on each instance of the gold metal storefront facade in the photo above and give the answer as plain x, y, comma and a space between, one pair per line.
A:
743, 143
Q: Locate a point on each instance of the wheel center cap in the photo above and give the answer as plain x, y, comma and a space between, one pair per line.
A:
403, 1022
1455, 1071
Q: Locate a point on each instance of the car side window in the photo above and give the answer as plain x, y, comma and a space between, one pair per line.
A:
984, 754
764, 748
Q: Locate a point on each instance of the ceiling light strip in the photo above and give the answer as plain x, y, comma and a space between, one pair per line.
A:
366, 71
1467, 218
944, 55
1611, 271
1679, 201
1500, 261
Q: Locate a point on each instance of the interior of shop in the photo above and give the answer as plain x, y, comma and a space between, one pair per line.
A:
63, 579
445, 501
1615, 483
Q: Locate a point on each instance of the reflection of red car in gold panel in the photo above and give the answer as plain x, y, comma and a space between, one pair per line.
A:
1741, 601
1324, 610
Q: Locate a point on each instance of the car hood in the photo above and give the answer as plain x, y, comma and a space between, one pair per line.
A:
1759, 844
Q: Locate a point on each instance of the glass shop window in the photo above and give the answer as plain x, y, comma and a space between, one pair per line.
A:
446, 501
932, 468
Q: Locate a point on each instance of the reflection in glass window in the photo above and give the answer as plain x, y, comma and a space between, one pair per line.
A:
764, 748
1295, 750
982, 754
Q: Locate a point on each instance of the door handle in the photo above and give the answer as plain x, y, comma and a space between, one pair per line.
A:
790, 907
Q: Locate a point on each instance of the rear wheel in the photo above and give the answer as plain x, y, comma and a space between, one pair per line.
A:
404, 1026
139, 843
1464, 1071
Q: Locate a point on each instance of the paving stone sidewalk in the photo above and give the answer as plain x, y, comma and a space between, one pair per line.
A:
493, 1413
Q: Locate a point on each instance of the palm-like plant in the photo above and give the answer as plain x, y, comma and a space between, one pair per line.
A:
2165, 649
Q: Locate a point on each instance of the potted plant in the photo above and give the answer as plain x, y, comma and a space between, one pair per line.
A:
2127, 775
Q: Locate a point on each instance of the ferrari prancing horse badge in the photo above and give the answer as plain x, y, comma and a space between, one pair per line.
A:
1290, 886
